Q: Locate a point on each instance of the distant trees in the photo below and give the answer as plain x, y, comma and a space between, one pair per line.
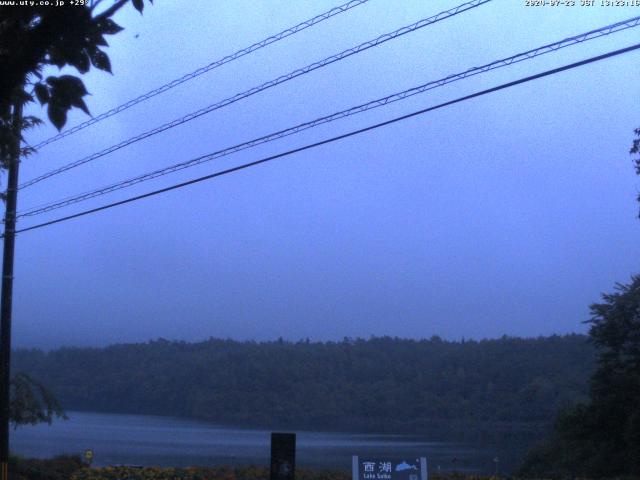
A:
449, 389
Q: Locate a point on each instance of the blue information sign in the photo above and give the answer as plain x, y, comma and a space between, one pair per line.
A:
367, 468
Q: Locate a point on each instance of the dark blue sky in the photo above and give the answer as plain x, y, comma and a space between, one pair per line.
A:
507, 214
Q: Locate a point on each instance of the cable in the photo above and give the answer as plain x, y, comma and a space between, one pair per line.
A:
334, 58
616, 27
339, 137
218, 63
272, 83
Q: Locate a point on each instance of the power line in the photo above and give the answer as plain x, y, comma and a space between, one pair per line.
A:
272, 83
218, 63
552, 47
340, 137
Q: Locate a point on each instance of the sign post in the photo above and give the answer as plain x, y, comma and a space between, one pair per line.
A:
366, 468
283, 456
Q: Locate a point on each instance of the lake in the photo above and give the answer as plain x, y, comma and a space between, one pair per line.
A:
118, 439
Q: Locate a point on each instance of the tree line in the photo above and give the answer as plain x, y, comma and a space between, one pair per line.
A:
383, 384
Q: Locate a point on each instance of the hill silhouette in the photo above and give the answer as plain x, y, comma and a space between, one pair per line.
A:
385, 385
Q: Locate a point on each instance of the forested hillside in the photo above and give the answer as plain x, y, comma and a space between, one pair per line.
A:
381, 384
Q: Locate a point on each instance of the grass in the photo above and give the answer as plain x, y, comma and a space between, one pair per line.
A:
72, 468
220, 473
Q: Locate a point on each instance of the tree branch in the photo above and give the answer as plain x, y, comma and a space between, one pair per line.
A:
111, 10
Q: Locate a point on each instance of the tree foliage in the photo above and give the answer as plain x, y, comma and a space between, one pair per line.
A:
31, 402
448, 389
635, 150
33, 38
601, 437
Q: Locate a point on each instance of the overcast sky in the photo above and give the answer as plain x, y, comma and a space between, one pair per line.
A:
506, 214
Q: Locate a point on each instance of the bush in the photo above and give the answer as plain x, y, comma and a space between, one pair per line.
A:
58, 468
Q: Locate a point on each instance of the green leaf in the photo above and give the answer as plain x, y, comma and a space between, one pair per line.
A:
65, 92
80, 60
72, 85
57, 114
42, 92
109, 27
79, 103
99, 40
138, 5
30, 121
100, 60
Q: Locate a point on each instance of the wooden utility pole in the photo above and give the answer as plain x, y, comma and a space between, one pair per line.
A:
11, 201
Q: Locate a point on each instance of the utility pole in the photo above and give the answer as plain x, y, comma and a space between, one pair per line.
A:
11, 201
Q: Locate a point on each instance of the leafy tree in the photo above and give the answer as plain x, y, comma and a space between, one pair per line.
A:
36, 37
602, 436
635, 150
32, 402
32, 40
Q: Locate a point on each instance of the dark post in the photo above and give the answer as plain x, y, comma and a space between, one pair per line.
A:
283, 456
7, 291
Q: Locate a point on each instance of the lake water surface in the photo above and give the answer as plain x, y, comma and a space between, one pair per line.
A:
166, 441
